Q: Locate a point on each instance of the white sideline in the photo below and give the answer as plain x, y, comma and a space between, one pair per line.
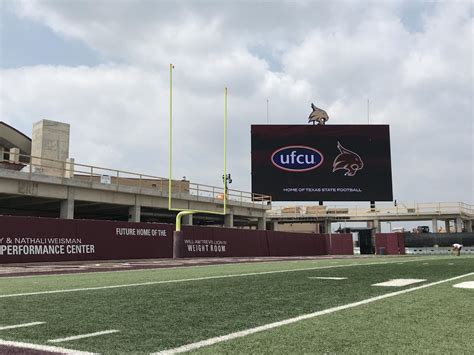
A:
246, 332
51, 349
327, 278
81, 336
195, 279
428, 257
21, 325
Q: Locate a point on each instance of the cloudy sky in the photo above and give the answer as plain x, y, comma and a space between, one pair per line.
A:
103, 67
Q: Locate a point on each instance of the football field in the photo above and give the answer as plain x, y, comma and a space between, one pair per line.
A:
377, 305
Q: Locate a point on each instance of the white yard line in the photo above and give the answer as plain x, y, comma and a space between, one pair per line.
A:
81, 336
191, 279
327, 278
398, 282
467, 284
51, 349
21, 325
262, 328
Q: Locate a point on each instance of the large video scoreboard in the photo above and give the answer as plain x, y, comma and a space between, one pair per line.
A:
322, 162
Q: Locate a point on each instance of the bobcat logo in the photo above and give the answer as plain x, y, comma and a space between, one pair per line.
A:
347, 160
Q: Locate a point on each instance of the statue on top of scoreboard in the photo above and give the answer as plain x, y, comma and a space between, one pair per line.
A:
318, 115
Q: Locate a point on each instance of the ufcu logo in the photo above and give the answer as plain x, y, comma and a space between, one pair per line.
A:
297, 158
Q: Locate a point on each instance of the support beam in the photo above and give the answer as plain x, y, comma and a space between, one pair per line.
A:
458, 225
134, 213
469, 226
262, 223
376, 224
372, 205
67, 209
188, 219
434, 225
446, 226
69, 168
327, 226
14, 155
229, 220
274, 225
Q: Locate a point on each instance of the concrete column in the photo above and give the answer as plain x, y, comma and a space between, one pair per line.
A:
67, 209
229, 220
469, 226
2, 154
262, 223
187, 219
327, 227
446, 226
275, 226
134, 213
458, 225
50, 140
376, 224
434, 225
69, 168
14, 155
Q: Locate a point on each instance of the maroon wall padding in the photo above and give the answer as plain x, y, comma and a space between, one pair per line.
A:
29, 239
393, 243
339, 244
401, 243
212, 241
380, 243
295, 244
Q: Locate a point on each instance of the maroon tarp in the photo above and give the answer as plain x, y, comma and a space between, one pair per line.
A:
389, 243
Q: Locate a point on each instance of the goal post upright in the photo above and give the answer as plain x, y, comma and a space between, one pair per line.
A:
177, 236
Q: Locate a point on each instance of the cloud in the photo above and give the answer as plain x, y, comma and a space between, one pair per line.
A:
416, 71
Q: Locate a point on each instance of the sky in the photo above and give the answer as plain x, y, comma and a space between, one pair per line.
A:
103, 67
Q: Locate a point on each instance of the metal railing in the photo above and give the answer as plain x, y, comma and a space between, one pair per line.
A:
382, 209
69, 169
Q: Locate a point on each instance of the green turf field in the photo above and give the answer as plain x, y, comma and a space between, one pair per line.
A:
155, 310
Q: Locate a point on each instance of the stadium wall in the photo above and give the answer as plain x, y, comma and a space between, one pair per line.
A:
31, 239
390, 243
415, 240
339, 244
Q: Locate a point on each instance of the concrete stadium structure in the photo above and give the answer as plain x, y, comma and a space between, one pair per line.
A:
12, 144
456, 216
48, 183
124, 196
